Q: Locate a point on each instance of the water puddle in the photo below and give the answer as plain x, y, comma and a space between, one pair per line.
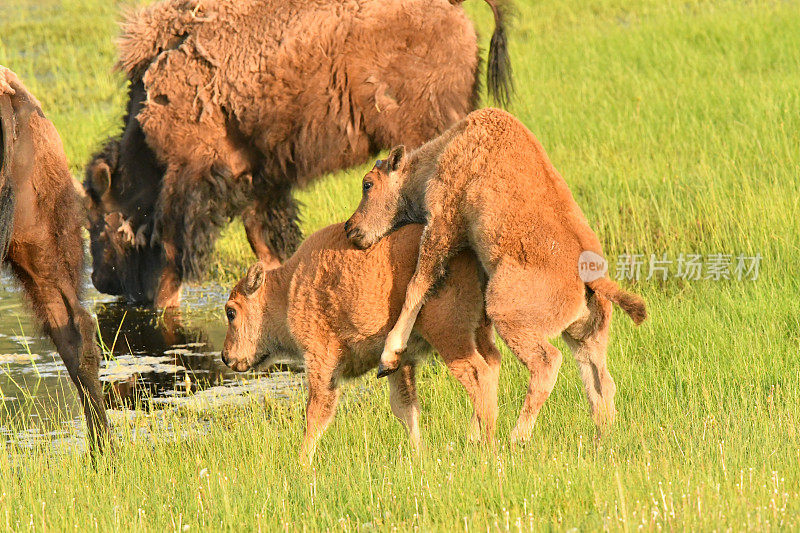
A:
154, 362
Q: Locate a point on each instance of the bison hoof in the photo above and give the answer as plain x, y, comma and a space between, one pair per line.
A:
385, 370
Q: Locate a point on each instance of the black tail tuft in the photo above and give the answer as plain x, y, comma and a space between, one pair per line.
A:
499, 78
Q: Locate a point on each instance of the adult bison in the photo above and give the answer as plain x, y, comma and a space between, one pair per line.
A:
234, 103
41, 227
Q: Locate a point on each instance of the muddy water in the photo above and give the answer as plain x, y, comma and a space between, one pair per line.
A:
152, 360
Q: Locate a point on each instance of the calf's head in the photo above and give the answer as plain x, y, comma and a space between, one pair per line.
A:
245, 346
383, 206
119, 208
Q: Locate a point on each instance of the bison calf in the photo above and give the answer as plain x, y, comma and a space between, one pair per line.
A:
40, 238
332, 305
487, 184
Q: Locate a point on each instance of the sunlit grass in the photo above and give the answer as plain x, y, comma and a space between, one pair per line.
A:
676, 126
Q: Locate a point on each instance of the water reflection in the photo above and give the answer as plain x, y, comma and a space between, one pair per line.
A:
152, 359
156, 354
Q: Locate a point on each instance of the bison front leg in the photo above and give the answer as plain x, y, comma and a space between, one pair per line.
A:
323, 395
71, 329
256, 229
438, 242
170, 282
86, 378
271, 221
192, 209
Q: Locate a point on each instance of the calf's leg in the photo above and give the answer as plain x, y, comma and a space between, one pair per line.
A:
484, 338
323, 395
404, 403
472, 371
543, 361
528, 306
588, 340
438, 242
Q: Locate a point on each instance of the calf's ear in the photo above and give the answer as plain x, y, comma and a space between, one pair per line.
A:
254, 279
396, 157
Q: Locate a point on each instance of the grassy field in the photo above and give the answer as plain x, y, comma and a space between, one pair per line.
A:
675, 122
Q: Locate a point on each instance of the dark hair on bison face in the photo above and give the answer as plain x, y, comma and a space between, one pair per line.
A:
122, 184
124, 261
99, 174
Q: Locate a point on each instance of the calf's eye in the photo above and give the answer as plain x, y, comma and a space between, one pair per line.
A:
231, 314
366, 186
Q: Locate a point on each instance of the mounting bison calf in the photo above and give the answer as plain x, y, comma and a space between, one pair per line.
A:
234, 103
487, 184
40, 238
332, 305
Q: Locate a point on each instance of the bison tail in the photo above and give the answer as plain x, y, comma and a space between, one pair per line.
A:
7, 194
498, 71
630, 303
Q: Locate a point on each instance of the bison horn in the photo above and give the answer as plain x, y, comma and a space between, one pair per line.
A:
141, 239
126, 230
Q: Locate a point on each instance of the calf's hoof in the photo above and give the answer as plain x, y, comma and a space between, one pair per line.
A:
385, 370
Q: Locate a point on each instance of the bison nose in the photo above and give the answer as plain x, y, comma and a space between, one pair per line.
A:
103, 284
225, 359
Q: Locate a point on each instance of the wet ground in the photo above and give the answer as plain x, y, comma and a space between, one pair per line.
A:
153, 361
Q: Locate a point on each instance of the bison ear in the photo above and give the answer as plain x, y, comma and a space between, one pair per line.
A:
100, 176
254, 279
396, 158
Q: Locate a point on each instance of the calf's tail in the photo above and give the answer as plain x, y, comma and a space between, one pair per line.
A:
7, 194
630, 303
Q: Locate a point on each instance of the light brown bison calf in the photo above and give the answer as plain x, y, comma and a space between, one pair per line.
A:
41, 222
487, 184
332, 305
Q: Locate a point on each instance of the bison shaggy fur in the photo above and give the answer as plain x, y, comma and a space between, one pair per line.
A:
240, 101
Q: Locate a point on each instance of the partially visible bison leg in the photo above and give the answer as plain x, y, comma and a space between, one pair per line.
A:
170, 281
192, 211
72, 331
255, 231
271, 221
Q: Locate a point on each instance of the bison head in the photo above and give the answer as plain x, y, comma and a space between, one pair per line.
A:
125, 259
384, 207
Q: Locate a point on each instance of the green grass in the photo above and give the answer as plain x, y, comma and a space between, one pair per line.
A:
676, 125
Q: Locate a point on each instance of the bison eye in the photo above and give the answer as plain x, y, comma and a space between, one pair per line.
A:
231, 314
366, 186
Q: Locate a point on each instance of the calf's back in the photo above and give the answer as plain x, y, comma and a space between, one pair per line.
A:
344, 301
